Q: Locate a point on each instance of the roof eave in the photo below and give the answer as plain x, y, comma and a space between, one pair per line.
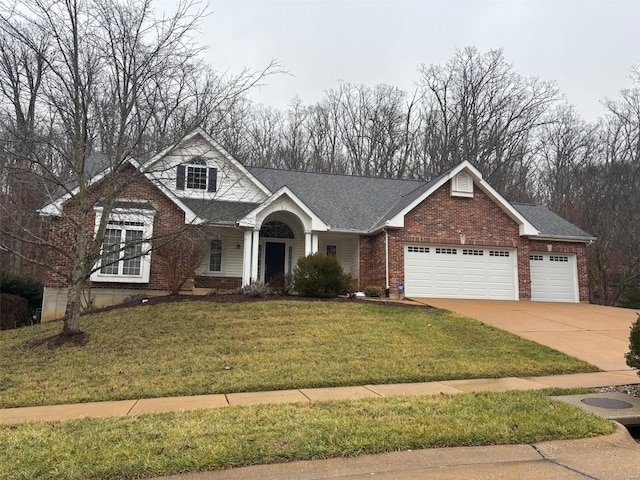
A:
563, 238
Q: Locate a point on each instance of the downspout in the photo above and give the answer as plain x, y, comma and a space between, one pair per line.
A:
386, 261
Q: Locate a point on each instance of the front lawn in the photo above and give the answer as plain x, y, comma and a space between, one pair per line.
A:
151, 445
197, 347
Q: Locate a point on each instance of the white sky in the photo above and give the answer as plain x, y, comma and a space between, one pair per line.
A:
586, 47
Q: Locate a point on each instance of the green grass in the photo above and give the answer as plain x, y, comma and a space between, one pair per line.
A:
151, 445
191, 348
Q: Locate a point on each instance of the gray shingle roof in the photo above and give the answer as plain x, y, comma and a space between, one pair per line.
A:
217, 211
344, 202
548, 223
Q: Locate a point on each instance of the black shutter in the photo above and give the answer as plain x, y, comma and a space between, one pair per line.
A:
213, 180
180, 177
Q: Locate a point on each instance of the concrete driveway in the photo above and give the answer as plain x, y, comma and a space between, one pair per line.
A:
594, 333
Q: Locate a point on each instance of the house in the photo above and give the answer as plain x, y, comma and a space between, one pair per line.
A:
453, 237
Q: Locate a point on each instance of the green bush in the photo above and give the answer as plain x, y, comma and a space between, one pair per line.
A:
22, 286
630, 297
371, 292
633, 357
320, 276
14, 311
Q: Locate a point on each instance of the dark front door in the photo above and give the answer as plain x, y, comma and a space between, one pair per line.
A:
274, 260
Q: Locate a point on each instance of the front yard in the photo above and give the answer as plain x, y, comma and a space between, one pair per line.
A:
199, 347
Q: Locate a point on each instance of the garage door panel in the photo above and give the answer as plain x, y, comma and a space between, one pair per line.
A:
456, 272
553, 277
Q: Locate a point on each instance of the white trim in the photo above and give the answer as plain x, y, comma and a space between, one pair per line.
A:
526, 228
256, 216
146, 217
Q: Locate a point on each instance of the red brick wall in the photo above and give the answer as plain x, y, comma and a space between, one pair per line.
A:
443, 219
168, 218
221, 284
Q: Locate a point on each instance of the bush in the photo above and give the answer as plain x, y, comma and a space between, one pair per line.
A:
371, 292
320, 276
633, 357
630, 297
14, 311
281, 284
22, 286
255, 289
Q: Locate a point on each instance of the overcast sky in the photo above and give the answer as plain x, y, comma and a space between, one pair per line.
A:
586, 46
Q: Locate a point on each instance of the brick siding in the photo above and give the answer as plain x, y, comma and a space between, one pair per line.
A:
446, 220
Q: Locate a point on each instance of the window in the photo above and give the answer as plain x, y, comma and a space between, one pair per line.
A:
446, 251
418, 249
536, 258
276, 229
332, 250
215, 257
558, 258
475, 253
197, 176
125, 251
498, 253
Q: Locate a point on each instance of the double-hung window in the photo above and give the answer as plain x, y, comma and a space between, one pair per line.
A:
124, 252
196, 176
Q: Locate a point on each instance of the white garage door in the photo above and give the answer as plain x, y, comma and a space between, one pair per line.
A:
460, 272
554, 277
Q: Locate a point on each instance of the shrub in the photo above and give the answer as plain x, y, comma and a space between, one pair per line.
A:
22, 286
371, 292
281, 284
633, 356
255, 289
180, 257
14, 311
630, 297
320, 276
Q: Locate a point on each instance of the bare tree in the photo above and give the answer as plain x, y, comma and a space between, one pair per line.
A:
119, 80
478, 108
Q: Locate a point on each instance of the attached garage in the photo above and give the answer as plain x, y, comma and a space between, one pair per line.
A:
554, 277
445, 271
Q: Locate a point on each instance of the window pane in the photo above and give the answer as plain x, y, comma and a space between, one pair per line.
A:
110, 257
215, 258
332, 250
197, 178
133, 248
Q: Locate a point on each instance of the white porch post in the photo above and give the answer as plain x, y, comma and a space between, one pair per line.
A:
314, 243
246, 258
308, 246
254, 255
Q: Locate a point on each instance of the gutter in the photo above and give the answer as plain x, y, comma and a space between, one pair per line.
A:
386, 261
563, 238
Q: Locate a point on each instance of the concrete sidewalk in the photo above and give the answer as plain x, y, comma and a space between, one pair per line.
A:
124, 408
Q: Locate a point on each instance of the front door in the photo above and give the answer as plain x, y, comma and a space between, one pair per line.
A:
274, 259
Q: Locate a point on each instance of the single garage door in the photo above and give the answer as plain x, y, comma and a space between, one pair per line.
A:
554, 277
435, 271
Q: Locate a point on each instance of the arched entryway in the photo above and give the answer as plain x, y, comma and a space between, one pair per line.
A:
277, 242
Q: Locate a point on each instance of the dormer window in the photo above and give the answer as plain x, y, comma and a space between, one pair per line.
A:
462, 185
195, 175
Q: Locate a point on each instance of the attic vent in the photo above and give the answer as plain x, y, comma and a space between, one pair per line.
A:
462, 185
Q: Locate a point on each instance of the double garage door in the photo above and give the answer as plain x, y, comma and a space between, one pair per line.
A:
460, 272
488, 273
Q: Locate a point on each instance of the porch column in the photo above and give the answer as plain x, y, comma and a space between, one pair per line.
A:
246, 258
308, 246
255, 245
314, 243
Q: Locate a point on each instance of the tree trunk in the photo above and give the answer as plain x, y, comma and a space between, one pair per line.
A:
74, 307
